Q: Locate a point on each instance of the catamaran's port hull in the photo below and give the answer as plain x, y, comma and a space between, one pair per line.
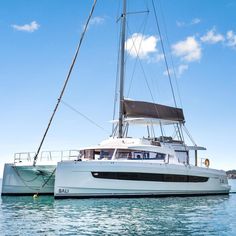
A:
20, 180
80, 180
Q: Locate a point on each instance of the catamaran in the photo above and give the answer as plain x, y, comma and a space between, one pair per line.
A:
134, 167
124, 166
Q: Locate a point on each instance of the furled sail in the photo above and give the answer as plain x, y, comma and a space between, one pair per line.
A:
152, 110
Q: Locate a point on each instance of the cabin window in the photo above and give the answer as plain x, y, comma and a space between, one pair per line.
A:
87, 154
160, 156
97, 154
105, 154
139, 155
124, 154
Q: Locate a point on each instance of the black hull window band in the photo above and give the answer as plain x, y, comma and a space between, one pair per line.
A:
149, 177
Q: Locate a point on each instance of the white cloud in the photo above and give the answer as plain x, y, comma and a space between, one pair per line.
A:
97, 20
33, 26
231, 39
189, 50
141, 45
212, 37
180, 23
194, 21
182, 68
156, 57
178, 71
168, 72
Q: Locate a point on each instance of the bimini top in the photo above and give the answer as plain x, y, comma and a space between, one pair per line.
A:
140, 109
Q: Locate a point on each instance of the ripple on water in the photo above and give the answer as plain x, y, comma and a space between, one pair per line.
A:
212, 215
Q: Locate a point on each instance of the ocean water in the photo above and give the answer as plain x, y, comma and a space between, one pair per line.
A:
211, 215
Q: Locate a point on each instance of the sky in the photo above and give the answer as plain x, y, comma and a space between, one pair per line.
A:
38, 41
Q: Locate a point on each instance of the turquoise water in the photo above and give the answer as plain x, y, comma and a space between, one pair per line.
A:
212, 215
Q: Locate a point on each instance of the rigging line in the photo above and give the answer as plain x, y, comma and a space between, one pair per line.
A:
86, 117
185, 145
163, 50
126, 58
174, 133
136, 60
177, 133
66, 81
189, 135
145, 77
47, 180
118, 15
171, 57
174, 70
147, 6
167, 67
137, 12
148, 131
153, 130
24, 182
141, 65
118, 10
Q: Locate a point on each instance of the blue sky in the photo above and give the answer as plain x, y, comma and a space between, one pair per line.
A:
38, 40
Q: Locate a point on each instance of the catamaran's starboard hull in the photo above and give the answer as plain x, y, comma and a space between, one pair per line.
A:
88, 179
28, 180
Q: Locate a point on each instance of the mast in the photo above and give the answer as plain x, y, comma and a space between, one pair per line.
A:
122, 70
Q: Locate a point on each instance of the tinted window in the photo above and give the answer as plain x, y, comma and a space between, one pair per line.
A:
149, 177
138, 155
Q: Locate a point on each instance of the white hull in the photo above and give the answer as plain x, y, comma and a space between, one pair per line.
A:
75, 179
27, 179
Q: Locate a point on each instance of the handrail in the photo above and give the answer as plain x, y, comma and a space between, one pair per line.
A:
53, 155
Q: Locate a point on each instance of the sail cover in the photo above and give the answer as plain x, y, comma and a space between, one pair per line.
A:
152, 110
